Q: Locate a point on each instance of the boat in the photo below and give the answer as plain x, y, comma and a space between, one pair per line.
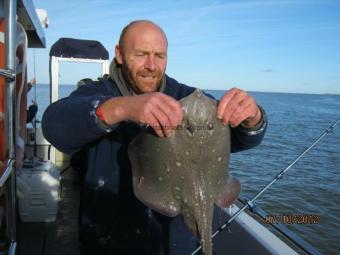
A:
15, 36
35, 223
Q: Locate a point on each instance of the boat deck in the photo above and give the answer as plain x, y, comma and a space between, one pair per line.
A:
61, 236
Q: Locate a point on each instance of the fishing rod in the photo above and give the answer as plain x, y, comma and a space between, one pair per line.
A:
279, 175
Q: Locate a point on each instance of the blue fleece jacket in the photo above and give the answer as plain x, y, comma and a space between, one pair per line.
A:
112, 220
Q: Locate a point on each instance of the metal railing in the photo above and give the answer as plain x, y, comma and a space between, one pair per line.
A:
7, 74
10, 7
7, 172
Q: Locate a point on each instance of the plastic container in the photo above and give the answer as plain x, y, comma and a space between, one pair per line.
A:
38, 191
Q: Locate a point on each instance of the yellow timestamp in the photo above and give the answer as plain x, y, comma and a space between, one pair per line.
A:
292, 219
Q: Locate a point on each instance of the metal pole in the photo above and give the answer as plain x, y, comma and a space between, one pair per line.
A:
251, 202
10, 97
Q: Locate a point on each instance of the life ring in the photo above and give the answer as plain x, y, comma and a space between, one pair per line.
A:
21, 97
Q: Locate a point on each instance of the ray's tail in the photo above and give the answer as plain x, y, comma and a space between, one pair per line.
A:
205, 232
204, 216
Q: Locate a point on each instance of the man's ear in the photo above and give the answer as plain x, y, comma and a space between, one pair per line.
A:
118, 53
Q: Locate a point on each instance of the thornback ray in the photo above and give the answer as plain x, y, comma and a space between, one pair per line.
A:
187, 172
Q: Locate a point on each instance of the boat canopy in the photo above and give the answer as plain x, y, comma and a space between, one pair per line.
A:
76, 48
77, 51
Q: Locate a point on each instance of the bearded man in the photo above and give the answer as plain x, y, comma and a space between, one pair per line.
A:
101, 118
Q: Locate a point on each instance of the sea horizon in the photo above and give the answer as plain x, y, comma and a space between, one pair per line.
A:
250, 91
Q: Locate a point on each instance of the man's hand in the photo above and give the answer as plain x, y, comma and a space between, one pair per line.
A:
161, 112
236, 107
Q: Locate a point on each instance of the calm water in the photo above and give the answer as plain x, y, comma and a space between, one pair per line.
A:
311, 186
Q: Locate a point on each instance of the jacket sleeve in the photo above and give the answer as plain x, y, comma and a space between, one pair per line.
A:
243, 138
71, 122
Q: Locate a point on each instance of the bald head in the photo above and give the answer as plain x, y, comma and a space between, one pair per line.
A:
142, 54
140, 26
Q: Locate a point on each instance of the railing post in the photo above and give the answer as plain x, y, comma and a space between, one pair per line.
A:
10, 97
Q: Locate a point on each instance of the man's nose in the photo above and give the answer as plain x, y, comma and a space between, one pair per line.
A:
150, 63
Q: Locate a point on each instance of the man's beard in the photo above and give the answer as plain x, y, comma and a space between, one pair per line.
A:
138, 86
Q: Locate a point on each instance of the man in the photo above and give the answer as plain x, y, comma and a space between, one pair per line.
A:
103, 117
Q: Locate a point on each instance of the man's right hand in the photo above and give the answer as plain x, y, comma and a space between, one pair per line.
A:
161, 112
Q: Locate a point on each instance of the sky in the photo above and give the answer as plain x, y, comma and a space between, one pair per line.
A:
274, 46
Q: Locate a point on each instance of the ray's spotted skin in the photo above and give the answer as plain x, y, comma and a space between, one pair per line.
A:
187, 172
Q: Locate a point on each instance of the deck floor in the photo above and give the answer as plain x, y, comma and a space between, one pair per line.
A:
61, 237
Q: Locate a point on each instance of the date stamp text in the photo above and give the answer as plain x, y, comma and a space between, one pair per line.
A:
292, 219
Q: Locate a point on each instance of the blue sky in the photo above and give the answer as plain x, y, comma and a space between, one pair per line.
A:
277, 46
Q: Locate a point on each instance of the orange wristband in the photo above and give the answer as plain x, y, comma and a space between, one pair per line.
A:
100, 113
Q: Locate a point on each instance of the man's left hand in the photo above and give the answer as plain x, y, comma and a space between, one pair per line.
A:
236, 107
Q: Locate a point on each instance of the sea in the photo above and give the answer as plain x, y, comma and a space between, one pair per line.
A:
311, 187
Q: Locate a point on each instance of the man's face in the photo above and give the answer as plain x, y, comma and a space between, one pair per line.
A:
143, 57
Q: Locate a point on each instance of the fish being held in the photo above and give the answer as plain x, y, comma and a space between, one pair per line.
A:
187, 172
